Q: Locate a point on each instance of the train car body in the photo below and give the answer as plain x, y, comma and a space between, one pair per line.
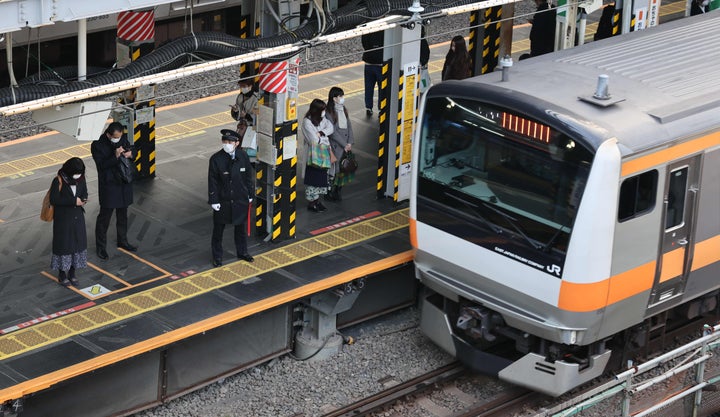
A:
552, 216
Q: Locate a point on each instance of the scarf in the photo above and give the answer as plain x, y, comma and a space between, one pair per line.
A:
342, 120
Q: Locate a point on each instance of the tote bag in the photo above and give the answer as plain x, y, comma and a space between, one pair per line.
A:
319, 155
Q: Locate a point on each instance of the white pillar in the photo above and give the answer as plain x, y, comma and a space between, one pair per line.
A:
9, 52
82, 49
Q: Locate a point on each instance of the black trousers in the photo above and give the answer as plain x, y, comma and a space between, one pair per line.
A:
217, 238
103, 222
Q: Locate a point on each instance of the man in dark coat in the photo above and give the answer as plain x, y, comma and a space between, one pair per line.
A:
230, 191
542, 33
114, 192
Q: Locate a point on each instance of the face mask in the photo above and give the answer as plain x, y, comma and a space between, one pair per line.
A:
114, 140
341, 100
705, 3
245, 90
77, 176
229, 147
322, 114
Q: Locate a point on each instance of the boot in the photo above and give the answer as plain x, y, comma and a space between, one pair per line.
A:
337, 195
313, 206
62, 279
331, 195
71, 277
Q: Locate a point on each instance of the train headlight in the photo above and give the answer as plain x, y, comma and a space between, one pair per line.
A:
569, 336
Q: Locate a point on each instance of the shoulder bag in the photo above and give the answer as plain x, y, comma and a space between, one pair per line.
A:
47, 211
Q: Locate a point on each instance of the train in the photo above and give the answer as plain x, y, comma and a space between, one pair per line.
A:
570, 208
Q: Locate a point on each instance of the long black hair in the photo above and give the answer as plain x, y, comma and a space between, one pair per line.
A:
314, 113
335, 92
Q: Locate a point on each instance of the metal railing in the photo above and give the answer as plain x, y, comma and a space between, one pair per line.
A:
618, 394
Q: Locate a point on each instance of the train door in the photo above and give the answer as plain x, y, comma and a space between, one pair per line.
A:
679, 208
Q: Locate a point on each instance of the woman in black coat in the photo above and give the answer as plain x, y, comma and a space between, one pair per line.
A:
68, 195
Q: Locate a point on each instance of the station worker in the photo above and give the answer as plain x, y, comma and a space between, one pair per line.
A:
114, 192
230, 194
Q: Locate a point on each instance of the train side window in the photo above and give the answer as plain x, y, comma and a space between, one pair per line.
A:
637, 195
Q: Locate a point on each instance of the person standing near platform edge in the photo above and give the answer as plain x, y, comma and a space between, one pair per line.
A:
114, 192
230, 193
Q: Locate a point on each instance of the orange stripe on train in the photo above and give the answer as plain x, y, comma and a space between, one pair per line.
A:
672, 153
596, 295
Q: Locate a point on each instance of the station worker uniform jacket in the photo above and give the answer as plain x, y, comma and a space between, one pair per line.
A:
112, 191
230, 183
69, 234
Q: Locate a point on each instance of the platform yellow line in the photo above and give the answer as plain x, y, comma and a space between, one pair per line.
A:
43, 334
48, 380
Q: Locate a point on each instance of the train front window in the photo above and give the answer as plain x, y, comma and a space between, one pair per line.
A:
508, 173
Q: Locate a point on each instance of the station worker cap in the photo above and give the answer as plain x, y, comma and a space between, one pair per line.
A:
230, 135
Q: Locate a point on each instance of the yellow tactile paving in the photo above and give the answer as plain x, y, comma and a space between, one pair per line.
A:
28, 339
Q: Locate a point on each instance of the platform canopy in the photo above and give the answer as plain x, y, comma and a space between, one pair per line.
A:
19, 14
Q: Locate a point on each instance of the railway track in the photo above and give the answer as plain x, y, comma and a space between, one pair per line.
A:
436, 394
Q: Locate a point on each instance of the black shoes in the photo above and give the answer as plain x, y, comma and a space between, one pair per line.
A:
74, 281
62, 279
368, 112
217, 262
246, 257
316, 207
102, 254
334, 194
128, 247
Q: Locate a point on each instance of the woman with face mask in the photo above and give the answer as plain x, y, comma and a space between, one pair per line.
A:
68, 195
246, 103
316, 130
341, 140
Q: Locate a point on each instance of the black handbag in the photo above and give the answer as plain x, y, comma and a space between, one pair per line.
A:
125, 171
348, 164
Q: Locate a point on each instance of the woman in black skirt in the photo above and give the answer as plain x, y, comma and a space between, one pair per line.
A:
316, 130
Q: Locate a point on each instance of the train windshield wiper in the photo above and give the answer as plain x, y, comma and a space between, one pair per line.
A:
513, 222
476, 210
551, 242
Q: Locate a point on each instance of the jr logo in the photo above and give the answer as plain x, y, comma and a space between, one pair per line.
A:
553, 269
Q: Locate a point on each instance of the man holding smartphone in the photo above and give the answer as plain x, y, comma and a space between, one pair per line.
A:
114, 189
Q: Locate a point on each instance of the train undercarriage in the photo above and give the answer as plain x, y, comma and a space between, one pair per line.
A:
480, 338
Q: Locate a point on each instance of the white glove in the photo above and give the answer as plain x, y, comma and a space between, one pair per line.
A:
215, 207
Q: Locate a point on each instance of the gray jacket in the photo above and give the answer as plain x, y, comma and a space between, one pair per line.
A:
338, 139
